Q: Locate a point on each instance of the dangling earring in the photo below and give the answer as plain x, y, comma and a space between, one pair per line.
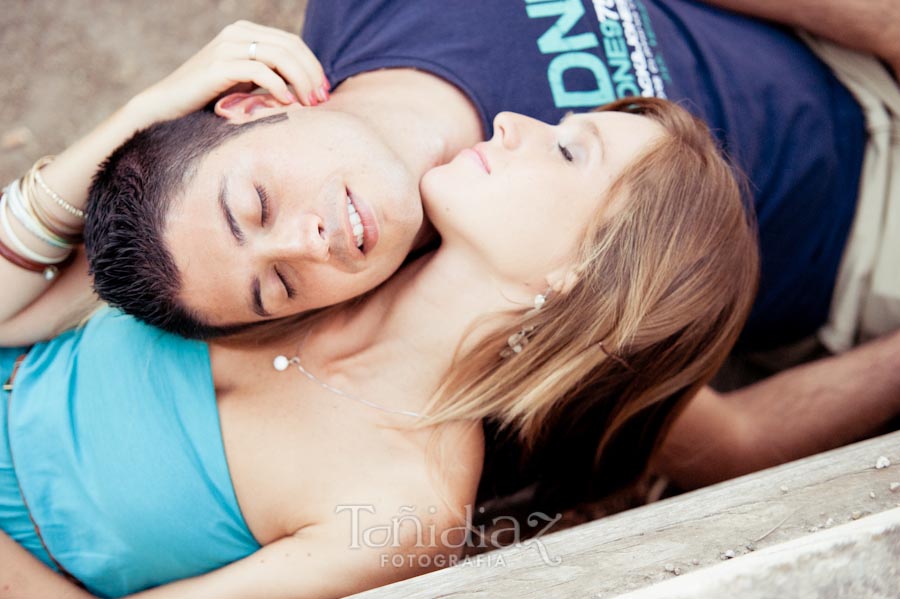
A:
517, 341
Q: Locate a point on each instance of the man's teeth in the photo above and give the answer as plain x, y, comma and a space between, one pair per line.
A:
356, 223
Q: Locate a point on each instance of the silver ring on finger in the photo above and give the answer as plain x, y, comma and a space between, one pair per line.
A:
251, 51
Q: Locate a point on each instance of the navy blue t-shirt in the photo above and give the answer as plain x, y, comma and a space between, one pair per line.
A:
779, 112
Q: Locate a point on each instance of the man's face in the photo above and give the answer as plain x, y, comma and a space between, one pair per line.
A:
291, 216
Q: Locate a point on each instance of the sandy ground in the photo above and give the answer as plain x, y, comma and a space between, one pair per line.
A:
67, 64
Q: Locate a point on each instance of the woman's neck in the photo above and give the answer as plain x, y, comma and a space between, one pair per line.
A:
405, 336
443, 300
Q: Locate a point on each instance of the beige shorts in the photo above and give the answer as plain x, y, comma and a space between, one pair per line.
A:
866, 300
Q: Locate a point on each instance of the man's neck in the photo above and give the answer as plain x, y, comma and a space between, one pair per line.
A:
422, 117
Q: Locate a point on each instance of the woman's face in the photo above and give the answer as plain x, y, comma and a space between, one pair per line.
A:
523, 201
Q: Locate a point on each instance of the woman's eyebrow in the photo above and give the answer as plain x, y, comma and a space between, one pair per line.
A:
230, 221
594, 131
588, 126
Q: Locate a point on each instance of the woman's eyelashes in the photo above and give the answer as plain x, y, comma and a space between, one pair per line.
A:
263, 205
566, 154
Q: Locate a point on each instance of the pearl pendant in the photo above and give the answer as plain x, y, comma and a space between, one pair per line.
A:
280, 363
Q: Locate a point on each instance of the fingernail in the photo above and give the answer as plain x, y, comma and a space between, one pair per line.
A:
321, 94
311, 100
292, 98
326, 84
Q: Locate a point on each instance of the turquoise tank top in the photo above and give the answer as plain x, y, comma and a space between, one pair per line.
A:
112, 441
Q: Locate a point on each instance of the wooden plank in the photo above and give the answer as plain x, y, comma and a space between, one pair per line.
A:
858, 559
631, 550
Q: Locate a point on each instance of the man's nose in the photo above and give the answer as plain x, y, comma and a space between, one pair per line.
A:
302, 238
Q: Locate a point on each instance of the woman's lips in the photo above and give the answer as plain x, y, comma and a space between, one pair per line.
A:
478, 157
479, 149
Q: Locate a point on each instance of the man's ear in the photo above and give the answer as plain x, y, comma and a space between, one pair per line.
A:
241, 108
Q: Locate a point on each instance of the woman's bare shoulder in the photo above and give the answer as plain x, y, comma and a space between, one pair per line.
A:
436, 478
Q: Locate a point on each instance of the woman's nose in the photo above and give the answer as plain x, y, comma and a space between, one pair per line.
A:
506, 128
300, 239
515, 129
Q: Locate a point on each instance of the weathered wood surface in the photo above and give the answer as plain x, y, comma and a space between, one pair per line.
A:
858, 560
631, 550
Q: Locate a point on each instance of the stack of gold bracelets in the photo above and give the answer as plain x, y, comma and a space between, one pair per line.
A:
21, 201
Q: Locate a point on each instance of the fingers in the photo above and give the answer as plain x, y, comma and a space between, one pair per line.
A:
260, 74
296, 69
283, 53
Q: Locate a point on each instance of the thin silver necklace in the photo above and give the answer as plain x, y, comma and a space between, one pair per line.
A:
282, 362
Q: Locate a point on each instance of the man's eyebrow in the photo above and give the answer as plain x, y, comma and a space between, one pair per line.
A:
256, 301
226, 212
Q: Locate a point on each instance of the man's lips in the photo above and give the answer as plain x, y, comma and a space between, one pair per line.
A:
369, 222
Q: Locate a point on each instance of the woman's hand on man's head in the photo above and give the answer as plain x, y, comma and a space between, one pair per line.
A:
242, 55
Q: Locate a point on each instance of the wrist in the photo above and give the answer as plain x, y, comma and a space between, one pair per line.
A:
141, 111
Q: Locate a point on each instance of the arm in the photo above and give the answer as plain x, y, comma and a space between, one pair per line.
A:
23, 576
32, 308
314, 563
872, 26
799, 412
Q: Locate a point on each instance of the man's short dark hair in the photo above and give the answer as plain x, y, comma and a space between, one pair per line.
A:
126, 216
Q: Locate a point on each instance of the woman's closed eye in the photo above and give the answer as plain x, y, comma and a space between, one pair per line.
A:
566, 154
